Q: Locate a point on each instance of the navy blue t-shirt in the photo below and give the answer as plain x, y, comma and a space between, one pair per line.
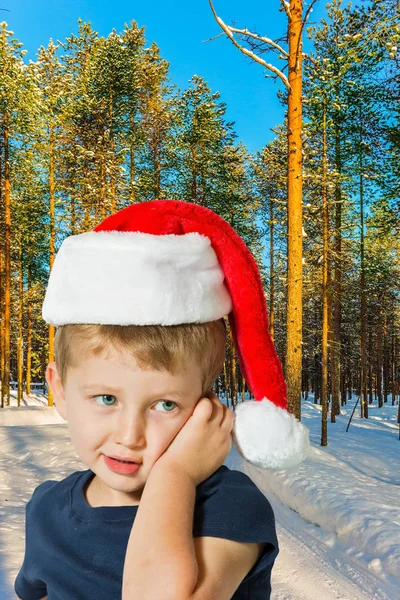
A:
74, 551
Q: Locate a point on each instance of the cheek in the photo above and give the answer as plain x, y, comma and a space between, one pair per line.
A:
161, 433
83, 424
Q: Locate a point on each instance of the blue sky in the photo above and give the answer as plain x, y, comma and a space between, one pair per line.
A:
180, 29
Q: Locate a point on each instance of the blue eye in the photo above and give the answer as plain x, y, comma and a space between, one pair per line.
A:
167, 402
104, 396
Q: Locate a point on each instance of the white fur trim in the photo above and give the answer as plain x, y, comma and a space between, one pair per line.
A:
130, 278
269, 436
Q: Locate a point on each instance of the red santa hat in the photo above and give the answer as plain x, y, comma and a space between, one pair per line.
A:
169, 262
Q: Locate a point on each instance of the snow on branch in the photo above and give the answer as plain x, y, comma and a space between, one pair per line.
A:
229, 32
286, 6
260, 39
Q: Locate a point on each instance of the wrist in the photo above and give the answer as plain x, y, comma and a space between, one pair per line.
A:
167, 467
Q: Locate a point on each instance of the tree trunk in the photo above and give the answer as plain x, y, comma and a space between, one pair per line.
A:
393, 368
132, 161
2, 311
325, 292
363, 370
379, 351
156, 166
29, 336
233, 371
317, 379
331, 353
50, 400
295, 241
370, 383
271, 271
337, 305
385, 358
20, 347
194, 176
112, 147
5, 384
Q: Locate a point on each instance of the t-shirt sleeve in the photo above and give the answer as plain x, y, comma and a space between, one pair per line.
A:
229, 505
27, 586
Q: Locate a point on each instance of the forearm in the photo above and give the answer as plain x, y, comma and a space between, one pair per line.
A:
160, 560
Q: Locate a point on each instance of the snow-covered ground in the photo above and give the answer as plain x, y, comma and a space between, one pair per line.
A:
338, 514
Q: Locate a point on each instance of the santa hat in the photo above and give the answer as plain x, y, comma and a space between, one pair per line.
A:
169, 262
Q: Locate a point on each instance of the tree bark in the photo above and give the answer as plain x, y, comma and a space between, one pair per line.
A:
50, 399
337, 305
325, 292
271, 271
363, 370
5, 384
29, 336
20, 351
295, 241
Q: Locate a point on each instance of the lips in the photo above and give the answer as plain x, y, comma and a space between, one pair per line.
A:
121, 467
125, 460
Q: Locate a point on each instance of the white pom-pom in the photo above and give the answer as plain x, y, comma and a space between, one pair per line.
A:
269, 436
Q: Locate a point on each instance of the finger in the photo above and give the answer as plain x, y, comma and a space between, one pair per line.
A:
204, 409
228, 420
218, 409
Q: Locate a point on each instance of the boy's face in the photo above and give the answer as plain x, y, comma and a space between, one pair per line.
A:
114, 408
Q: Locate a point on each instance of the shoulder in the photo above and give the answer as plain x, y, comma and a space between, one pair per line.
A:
234, 534
51, 490
230, 502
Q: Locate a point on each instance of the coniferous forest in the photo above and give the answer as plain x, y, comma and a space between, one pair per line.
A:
94, 124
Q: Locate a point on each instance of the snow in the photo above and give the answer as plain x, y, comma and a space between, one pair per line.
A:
338, 513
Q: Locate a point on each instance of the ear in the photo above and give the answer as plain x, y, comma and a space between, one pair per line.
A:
54, 383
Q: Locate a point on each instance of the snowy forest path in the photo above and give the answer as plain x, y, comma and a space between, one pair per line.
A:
312, 564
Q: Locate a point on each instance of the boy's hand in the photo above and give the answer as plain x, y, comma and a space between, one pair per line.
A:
204, 442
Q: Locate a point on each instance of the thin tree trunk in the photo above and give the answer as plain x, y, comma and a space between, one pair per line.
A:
295, 182
112, 147
20, 347
385, 358
103, 194
29, 336
379, 352
271, 271
132, 191
233, 371
337, 305
2, 311
317, 379
396, 374
393, 369
156, 166
5, 384
194, 176
363, 371
225, 383
370, 383
325, 292
331, 353
50, 400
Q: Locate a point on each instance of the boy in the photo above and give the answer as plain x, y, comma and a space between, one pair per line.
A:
141, 326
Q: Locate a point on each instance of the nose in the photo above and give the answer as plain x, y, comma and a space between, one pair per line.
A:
131, 430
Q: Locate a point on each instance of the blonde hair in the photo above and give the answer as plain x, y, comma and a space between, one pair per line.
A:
158, 347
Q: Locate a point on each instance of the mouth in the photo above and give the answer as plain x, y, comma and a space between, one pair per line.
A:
124, 460
123, 467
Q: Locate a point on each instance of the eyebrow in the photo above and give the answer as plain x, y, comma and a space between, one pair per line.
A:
97, 386
107, 388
